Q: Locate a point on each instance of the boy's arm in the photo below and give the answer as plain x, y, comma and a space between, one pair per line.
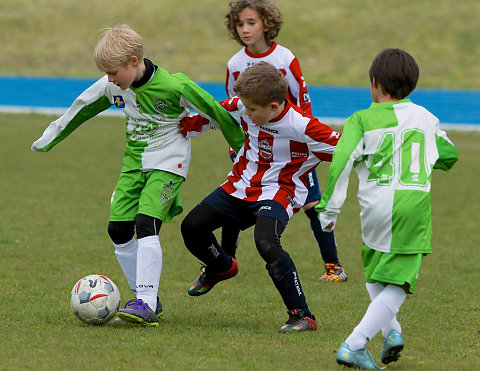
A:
298, 87
348, 150
447, 153
203, 103
321, 139
88, 104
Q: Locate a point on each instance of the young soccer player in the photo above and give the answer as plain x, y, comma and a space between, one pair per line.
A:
255, 24
265, 188
156, 159
394, 145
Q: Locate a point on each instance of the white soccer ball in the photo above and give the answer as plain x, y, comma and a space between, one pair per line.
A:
95, 299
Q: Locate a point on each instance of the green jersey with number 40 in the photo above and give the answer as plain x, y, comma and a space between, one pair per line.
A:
153, 112
394, 147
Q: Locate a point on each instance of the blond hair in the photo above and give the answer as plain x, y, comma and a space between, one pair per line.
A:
263, 83
116, 46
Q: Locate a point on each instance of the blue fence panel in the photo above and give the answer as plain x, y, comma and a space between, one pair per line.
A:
454, 107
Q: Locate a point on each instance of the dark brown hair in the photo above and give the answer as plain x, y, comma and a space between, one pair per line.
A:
268, 12
263, 83
396, 71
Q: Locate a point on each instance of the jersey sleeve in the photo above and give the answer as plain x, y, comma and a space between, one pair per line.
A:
321, 139
349, 150
229, 82
298, 87
194, 97
88, 104
447, 153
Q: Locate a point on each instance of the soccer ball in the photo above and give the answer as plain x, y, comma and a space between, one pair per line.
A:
95, 299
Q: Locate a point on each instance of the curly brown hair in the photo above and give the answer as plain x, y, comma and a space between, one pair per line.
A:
268, 12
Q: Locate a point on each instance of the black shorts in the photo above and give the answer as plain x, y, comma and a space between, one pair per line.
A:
245, 212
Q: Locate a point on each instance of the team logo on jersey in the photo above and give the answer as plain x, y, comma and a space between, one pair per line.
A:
160, 104
166, 193
298, 154
306, 97
118, 101
265, 149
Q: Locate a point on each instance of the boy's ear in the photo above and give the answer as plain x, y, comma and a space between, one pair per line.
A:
135, 61
374, 82
274, 106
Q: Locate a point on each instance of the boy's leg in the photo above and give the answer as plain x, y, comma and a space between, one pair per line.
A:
380, 312
230, 237
126, 246
121, 228
326, 243
373, 290
159, 202
149, 259
197, 231
283, 273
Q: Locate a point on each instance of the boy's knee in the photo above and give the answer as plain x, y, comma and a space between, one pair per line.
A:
190, 225
267, 238
121, 232
147, 226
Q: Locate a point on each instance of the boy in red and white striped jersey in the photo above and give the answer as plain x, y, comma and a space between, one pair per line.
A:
265, 188
255, 24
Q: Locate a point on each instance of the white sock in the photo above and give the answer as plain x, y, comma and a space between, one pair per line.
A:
380, 312
126, 254
373, 290
149, 269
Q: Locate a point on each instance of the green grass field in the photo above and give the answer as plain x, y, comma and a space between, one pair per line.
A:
53, 214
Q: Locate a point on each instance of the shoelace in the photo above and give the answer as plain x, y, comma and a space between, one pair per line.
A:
294, 317
136, 303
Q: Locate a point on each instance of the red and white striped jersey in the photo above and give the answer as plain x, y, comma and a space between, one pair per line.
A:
284, 60
276, 158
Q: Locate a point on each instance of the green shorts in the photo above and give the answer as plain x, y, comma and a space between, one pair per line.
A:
386, 268
154, 193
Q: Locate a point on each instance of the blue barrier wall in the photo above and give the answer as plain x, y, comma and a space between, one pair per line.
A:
457, 108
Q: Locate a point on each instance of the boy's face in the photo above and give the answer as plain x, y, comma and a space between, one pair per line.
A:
123, 76
258, 114
250, 27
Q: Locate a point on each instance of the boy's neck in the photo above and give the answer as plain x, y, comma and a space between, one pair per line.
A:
386, 98
259, 47
279, 111
141, 68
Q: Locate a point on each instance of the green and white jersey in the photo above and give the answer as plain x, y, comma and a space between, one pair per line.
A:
153, 112
393, 147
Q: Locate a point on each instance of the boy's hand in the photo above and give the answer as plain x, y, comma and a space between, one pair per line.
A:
232, 154
191, 123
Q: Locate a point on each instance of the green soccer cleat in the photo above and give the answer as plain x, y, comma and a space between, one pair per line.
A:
206, 281
392, 347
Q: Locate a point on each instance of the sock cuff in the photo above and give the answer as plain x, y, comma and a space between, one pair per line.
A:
127, 246
148, 240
